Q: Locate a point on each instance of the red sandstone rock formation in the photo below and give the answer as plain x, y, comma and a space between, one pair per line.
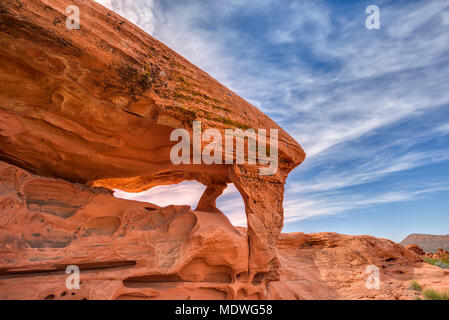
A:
416, 249
333, 266
134, 250
96, 106
443, 253
439, 255
124, 249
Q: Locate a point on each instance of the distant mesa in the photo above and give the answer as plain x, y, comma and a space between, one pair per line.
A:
427, 242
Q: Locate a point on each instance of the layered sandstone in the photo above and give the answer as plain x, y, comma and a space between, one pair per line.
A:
124, 249
334, 266
96, 106
416, 249
135, 250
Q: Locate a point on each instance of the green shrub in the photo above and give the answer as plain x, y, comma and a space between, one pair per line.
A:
431, 294
443, 263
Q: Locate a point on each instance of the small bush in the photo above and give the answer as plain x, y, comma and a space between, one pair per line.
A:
443, 263
431, 294
415, 286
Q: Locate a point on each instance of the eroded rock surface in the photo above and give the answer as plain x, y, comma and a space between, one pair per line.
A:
96, 106
135, 250
124, 249
416, 249
334, 266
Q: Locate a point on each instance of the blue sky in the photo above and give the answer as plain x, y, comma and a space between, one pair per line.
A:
370, 107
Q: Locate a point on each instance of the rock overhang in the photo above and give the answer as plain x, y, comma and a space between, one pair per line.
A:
97, 105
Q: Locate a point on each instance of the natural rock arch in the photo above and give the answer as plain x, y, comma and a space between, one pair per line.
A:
96, 106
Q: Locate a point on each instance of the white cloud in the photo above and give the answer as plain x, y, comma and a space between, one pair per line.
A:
231, 203
141, 13
368, 171
189, 193
443, 129
310, 206
184, 193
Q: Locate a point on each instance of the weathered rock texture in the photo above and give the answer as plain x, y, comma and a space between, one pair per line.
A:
96, 106
416, 249
124, 249
134, 250
333, 266
441, 254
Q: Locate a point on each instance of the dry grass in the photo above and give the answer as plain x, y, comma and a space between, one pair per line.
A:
415, 286
431, 294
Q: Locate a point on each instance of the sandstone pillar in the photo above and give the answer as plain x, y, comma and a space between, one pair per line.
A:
208, 199
263, 197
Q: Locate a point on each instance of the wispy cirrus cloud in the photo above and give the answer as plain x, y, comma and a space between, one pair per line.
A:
369, 171
185, 193
443, 128
337, 203
141, 13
